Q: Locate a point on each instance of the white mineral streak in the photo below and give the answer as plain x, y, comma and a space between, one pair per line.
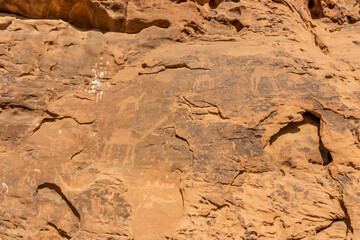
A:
96, 86
6, 187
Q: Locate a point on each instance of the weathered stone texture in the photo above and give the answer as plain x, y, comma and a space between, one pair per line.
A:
206, 119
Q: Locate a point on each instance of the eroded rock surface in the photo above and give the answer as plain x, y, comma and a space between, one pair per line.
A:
203, 119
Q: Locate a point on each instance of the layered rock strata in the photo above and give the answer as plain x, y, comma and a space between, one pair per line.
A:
134, 119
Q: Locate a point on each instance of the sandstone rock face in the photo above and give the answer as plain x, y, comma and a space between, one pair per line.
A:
179, 119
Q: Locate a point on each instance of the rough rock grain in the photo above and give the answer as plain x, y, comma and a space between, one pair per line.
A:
179, 119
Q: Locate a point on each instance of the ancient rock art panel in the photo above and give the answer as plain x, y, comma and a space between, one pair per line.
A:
156, 202
124, 141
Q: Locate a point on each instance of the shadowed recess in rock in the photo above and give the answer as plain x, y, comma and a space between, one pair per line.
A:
305, 137
315, 9
222, 126
87, 14
61, 232
238, 25
346, 218
58, 190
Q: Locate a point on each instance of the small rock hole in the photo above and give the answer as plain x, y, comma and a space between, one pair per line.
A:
116, 7
311, 4
350, 19
315, 9
331, 5
238, 25
213, 4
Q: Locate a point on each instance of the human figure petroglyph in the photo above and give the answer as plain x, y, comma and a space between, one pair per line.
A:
265, 83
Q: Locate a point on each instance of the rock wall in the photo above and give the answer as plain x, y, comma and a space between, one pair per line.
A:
179, 119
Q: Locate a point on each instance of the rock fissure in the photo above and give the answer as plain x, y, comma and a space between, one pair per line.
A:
148, 70
210, 108
236, 176
184, 140
58, 190
346, 218
77, 153
220, 120
271, 114
61, 232
328, 226
54, 119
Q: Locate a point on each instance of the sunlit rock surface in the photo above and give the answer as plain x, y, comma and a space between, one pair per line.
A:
124, 119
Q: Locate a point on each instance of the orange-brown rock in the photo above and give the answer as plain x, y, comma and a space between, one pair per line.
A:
179, 119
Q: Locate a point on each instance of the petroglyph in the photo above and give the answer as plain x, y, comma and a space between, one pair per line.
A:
204, 82
126, 138
131, 100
